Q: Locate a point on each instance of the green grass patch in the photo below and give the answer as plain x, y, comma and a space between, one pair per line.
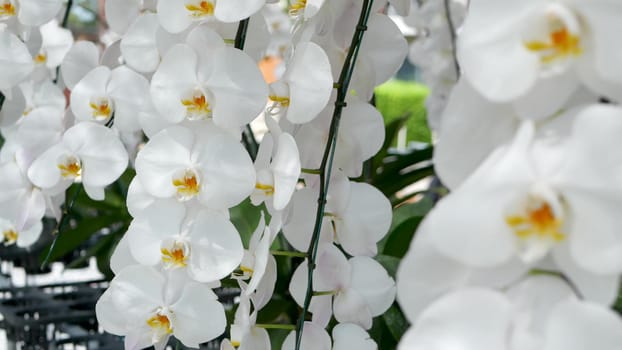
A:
397, 98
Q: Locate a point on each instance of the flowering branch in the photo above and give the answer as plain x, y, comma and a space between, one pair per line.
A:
452, 34
248, 137
329, 154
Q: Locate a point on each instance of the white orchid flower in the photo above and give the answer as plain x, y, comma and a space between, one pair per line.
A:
177, 15
306, 86
104, 93
203, 243
147, 307
278, 169
56, 43
87, 152
188, 164
537, 197
225, 84
357, 216
356, 290
542, 312
244, 334
535, 48
29, 12
425, 275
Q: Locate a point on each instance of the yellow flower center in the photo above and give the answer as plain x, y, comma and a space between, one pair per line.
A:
40, 58
283, 101
70, 168
101, 109
160, 324
10, 236
297, 6
174, 257
187, 186
7, 9
202, 9
267, 189
561, 43
540, 222
197, 107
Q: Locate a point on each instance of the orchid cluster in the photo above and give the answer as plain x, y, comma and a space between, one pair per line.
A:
173, 98
526, 250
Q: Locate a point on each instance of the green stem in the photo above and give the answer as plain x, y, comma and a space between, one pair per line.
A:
66, 16
289, 327
288, 253
324, 292
329, 155
452, 34
248, 136
64, 25
310, 171
60, 225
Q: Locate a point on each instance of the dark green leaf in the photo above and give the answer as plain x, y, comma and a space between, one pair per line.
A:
390, 263
399, 239
245, 216
71, 239
395, 321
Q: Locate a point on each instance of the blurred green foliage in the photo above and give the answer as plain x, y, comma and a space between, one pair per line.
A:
398, 98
